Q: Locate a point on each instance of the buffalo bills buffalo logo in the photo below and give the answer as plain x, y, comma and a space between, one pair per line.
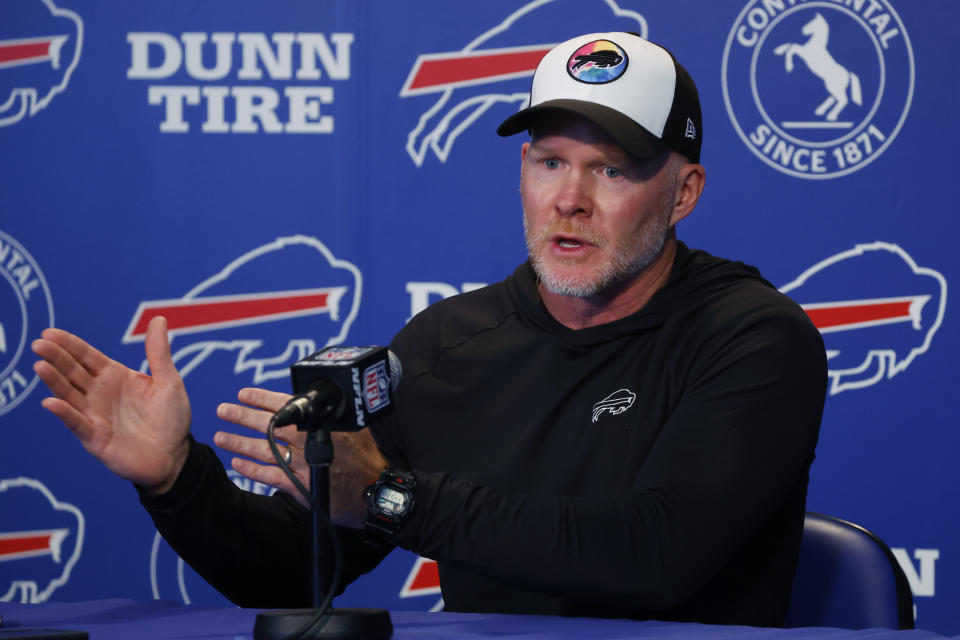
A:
876, 308
40, 541
614, 404
39, 49
495, 67
597, 62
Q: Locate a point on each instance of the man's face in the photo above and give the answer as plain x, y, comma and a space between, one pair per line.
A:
593, 215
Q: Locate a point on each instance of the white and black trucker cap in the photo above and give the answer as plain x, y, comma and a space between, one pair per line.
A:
632, 88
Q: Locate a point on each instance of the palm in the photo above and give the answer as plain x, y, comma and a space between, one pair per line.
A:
133, 418
136, 424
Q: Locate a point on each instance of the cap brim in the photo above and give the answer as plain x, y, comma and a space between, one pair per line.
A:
636, 140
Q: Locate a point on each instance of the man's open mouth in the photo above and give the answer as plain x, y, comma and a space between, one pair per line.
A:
569, 243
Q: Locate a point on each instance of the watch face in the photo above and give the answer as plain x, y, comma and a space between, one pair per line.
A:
391, 501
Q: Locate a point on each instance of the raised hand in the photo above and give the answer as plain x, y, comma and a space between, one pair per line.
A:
262, 405
357, 461
136, 424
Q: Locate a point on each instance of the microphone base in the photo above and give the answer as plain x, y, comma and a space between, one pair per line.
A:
362, 624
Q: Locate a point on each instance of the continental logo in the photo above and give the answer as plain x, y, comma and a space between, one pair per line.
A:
26, 309
818, 89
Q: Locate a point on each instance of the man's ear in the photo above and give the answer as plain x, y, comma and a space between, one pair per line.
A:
690, 181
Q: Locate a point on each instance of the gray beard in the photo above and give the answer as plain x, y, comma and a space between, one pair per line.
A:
627, 261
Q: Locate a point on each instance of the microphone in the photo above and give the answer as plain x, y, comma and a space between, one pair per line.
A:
341, 388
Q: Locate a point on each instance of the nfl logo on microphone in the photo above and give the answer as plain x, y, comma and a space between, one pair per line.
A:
376, 384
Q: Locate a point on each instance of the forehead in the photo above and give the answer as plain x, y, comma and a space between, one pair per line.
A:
553, 130
565, 125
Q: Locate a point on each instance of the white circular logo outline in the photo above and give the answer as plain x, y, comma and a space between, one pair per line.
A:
30, 260
21, 344
724, 66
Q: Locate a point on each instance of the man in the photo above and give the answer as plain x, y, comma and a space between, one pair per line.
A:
623, 427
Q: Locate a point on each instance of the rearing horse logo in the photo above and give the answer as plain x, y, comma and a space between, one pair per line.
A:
836, 78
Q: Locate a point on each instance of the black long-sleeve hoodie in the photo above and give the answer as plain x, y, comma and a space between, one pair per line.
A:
652, 467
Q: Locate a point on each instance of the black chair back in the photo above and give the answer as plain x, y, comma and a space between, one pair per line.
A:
847, 577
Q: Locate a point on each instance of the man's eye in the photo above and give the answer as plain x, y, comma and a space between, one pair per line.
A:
612, 172
551, 163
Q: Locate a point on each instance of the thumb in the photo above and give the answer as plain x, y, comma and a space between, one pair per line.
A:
157, 346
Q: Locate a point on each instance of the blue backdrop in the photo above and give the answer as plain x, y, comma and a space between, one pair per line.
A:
278, 176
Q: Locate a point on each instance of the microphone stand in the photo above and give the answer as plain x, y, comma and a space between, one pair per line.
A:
319, 622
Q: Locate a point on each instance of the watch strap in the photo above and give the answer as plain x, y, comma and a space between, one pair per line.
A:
380, 526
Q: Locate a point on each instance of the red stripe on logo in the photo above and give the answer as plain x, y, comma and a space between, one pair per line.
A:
25, 544
828, 317
427, 577
459, 68
22, 52
194, 314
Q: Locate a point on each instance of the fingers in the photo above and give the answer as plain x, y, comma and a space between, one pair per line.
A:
269, 475
91, 359
259, 421
63, 363
244, 416
256, 448
257, 418
272, 401
157, 347
59, 385
75, 421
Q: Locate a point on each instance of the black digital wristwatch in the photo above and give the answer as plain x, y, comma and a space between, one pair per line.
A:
389, 502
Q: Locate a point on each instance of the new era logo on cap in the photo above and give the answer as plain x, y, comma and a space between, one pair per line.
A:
630, 87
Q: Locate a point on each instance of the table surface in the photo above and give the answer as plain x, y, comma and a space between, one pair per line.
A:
121, 619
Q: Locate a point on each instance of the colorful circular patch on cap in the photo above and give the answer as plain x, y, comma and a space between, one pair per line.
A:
597, 62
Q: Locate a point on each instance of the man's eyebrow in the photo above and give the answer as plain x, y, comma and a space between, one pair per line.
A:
606, 155
543, 149
539, 142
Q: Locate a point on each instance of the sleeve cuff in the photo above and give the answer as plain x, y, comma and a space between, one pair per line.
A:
191, 477
428, 487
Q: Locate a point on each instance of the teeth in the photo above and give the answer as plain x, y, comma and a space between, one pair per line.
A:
569, 244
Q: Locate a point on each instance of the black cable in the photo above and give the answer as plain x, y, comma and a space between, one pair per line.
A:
271, 440
324, 611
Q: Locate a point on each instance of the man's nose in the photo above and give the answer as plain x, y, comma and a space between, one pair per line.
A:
575, 196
